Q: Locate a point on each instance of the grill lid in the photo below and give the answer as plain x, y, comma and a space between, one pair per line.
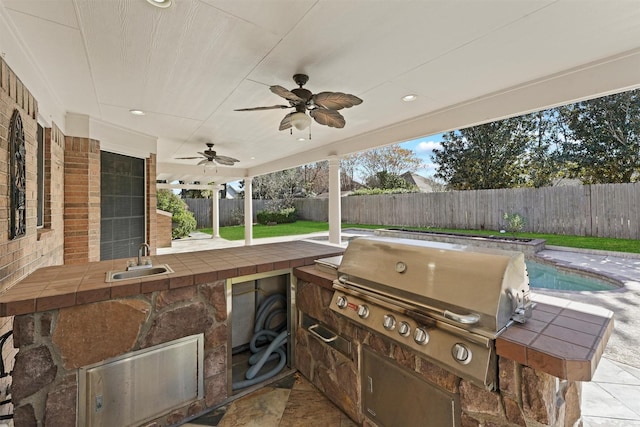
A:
472, 286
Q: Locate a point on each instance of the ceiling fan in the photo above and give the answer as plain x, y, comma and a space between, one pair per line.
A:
322, 106
209, 156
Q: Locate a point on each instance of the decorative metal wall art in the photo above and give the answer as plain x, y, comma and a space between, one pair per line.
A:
17, 169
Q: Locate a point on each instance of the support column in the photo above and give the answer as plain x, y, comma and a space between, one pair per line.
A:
248, 211
215, 211
81, 200
335, 209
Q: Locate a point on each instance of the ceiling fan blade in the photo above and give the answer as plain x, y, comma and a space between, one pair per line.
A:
286, 122
272, 107
335, 100
220, 159
285, 93
224, 162
189, 158
203, 161
329, 118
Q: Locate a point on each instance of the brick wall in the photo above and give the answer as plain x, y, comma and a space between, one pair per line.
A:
51, 235
17, 257
38, 247
164, 228
81, 200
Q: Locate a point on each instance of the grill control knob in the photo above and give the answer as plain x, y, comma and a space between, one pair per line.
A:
421, 336
363, 311
342, 302
461, 353
389, 322
404, 329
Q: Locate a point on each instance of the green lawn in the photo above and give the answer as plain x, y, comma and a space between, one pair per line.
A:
304, 227
259, 231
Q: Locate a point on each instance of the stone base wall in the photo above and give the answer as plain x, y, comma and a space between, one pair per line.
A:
525, 397
54, 344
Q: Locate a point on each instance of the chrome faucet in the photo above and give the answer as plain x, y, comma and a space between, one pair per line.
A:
141, 250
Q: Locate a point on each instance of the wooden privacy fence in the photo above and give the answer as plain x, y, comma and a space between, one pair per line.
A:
231, 211
603, 210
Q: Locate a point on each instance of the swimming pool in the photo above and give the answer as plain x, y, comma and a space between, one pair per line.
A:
546, 276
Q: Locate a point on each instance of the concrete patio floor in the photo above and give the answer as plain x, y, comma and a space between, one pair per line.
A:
612, 398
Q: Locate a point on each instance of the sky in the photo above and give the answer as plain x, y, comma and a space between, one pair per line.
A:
423, 147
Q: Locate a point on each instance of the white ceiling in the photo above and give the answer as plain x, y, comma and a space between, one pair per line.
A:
189, 66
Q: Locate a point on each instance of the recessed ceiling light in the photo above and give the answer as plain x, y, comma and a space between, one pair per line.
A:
253, 158
160, 3
409, 98
301, 139
137, 112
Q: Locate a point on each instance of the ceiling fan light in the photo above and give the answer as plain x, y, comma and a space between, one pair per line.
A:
300, 120
160, 3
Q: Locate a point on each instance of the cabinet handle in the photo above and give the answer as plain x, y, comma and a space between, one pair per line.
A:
313, 328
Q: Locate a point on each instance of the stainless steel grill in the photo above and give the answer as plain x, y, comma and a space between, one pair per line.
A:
448, 302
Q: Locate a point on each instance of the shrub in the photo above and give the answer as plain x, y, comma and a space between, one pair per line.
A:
515, 222
184, 220
185, 224
374, 191
282, 216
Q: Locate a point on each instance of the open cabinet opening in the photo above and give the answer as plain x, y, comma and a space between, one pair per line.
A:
261, 329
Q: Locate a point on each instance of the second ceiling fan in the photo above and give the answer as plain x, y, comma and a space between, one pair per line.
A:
322, 107
210, 157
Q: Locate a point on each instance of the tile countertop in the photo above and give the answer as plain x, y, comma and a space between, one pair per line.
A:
563, 338
61, 286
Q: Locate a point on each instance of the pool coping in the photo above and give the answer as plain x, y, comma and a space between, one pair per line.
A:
619, 279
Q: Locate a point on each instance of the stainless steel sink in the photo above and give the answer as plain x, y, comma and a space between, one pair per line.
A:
114, 276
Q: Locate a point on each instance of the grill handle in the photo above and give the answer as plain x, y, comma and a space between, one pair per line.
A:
461, 319
313, 328
465, 319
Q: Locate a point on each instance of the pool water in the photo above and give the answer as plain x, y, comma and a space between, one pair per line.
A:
546, 276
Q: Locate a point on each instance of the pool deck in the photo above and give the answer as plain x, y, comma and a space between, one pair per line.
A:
612, 399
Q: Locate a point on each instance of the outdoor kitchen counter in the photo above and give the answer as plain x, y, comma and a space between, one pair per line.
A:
49, 288
563, 338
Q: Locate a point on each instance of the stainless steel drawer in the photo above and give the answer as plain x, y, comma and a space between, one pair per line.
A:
326, 335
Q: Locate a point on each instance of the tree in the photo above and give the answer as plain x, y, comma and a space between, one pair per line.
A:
487, 156
388, 181
280, 186
392, 159
546, 132
603, 142
196, 194
315, 177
